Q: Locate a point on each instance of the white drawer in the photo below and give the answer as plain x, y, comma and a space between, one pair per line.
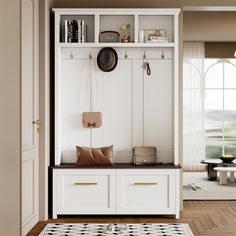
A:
84, 191
146, 191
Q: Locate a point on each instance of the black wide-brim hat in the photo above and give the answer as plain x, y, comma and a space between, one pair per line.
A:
107, 59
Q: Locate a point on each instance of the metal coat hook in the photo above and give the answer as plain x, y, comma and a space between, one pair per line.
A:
71, 55
144, 55
162, 55
126, 55
90, 55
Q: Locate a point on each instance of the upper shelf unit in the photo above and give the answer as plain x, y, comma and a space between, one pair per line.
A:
116, 27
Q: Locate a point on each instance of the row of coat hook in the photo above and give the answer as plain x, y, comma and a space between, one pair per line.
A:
72, 55
125, 56
162, 55
145, 56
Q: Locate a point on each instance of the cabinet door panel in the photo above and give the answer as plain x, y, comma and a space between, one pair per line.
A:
117, 107
85, 191
75, 97
158, 107
141, 191
138, 91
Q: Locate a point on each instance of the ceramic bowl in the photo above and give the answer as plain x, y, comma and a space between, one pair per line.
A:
227, 159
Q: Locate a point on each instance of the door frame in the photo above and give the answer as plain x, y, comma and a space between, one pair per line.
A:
44, 107
205, 9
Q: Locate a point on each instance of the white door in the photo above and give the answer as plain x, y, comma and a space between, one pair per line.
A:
30, 114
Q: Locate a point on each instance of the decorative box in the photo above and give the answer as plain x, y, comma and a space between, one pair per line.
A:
109, 37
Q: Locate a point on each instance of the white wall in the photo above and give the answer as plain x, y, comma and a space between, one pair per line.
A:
10, 118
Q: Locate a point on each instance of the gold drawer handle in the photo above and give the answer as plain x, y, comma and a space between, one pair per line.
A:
145, 183
84, 184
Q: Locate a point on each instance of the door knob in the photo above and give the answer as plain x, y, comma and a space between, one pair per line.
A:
37, 122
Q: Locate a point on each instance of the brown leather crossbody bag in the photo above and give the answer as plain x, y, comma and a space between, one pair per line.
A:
92, 119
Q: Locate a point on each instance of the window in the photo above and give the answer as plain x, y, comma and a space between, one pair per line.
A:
220, 107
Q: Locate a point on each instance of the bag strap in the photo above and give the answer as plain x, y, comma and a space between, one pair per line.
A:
90, 82
97, 90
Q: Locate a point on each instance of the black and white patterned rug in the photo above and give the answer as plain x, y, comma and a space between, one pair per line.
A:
117, 229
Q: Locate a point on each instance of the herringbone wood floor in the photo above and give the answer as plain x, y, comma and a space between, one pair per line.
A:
204, 217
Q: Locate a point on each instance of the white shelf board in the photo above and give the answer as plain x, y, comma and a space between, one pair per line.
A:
117, 11
117, 45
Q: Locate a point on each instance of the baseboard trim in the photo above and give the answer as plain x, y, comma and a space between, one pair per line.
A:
27, 227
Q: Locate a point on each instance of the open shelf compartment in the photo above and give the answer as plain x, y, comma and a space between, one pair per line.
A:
89, 21
154, 23
114, 23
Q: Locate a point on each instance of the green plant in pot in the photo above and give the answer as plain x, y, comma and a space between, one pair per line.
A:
227, 158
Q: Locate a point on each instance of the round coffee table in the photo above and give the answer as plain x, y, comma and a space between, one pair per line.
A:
212, 163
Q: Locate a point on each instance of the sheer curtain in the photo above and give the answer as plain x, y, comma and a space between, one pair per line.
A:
193, 100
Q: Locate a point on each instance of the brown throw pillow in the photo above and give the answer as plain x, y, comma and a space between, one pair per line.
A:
94, 156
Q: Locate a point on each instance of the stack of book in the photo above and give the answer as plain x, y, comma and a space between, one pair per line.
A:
75, 31
157, 39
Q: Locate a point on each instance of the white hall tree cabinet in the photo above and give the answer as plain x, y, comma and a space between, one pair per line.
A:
137, 110
119, 189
